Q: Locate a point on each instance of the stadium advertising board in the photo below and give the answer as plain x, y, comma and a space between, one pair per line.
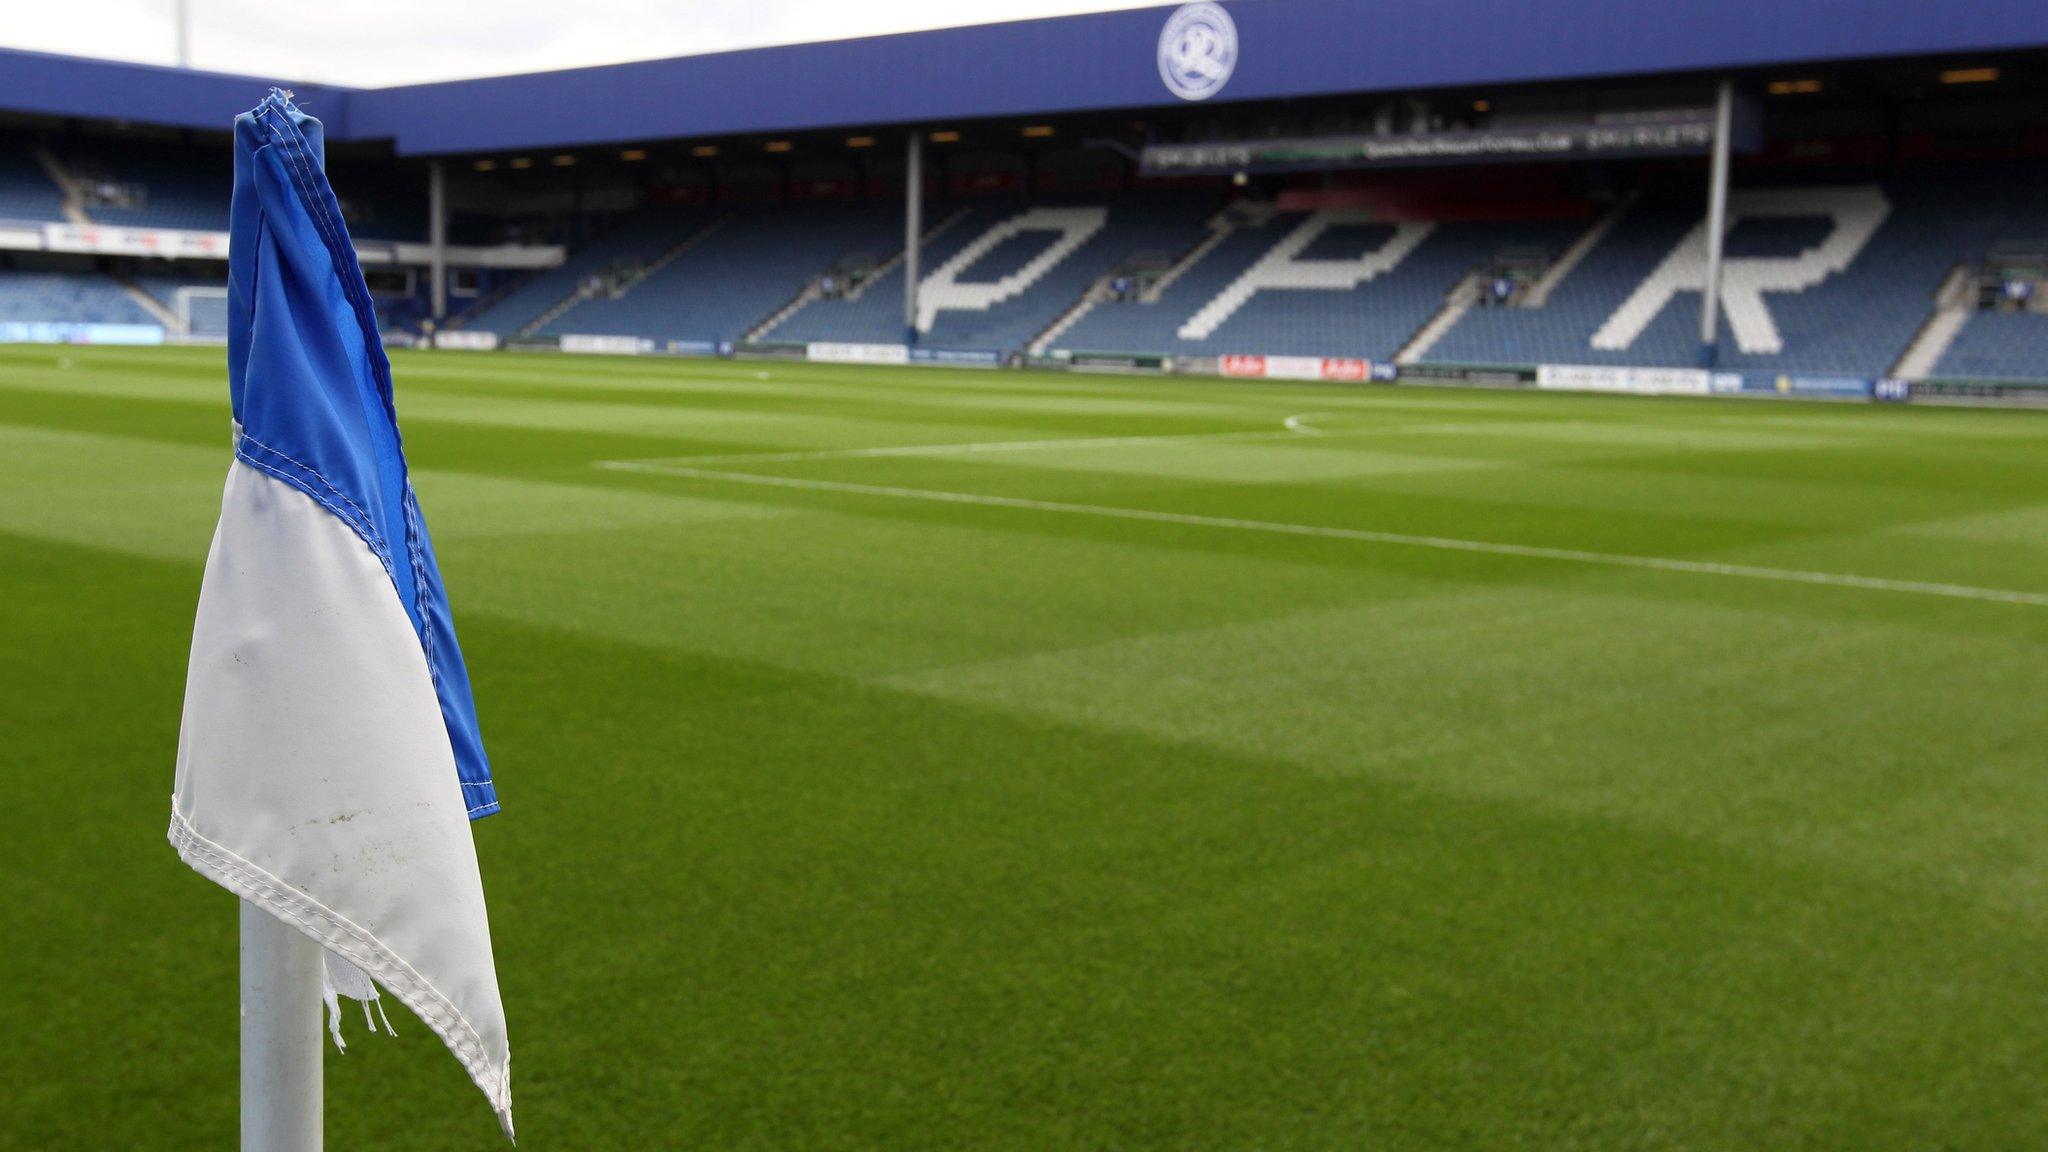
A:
1465, 374
765, 350
2032, 392
957, 357
1344, 368
607, 345
101, 240
1635, 381
833, 352
526, 256
196, 244
1839, 387
471, 341
1130, 362
44, 332
1295, 367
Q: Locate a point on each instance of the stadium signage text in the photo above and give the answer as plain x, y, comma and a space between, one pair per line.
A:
829, 352
1688, 131
607, 345
472, 340
1635, 381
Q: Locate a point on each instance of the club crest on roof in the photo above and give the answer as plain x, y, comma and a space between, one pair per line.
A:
1197, 51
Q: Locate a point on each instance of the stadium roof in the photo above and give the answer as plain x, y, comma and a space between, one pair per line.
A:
1285, 49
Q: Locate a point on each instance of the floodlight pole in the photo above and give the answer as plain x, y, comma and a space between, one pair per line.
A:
281, 978
913, 227
437, 236
1717, 224
183, 16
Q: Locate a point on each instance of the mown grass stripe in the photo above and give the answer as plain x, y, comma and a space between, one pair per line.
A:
1365, 535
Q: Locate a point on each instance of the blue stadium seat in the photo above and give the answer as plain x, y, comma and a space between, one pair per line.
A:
738, 274
1135, 225
875, 316
1132, 226
1999, 346
1373, 319
66, 298
26, 191
190, 188
179, 188
640, 237
209, 311
1858, 321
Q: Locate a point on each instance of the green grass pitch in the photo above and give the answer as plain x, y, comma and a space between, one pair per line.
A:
904, 800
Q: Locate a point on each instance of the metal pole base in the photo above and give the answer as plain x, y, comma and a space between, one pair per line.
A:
281, 975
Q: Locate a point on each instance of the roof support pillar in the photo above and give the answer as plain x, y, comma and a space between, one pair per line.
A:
437, 236
1717, 223
913, 227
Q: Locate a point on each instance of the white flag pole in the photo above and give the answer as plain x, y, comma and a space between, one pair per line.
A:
281, 973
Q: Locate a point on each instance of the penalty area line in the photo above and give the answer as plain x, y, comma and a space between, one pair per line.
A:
1363, 535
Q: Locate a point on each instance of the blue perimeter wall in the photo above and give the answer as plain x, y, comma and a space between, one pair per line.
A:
1288, 48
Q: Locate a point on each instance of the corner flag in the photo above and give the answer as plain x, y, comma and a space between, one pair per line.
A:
329, 760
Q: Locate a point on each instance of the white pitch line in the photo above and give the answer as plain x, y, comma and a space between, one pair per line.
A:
1289, 428
1401, 539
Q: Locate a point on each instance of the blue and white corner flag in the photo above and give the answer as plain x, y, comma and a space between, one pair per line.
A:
329, 763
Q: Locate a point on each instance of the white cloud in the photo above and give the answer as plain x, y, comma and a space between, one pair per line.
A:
379, 42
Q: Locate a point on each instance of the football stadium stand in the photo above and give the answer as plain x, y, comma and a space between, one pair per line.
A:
1882, 223
1821, 278
1859, 278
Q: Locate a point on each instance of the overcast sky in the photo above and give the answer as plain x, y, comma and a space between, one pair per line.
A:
376, 42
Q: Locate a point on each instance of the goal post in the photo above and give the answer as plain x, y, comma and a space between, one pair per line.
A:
202, 311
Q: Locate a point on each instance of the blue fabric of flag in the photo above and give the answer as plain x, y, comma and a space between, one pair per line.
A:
311, 388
